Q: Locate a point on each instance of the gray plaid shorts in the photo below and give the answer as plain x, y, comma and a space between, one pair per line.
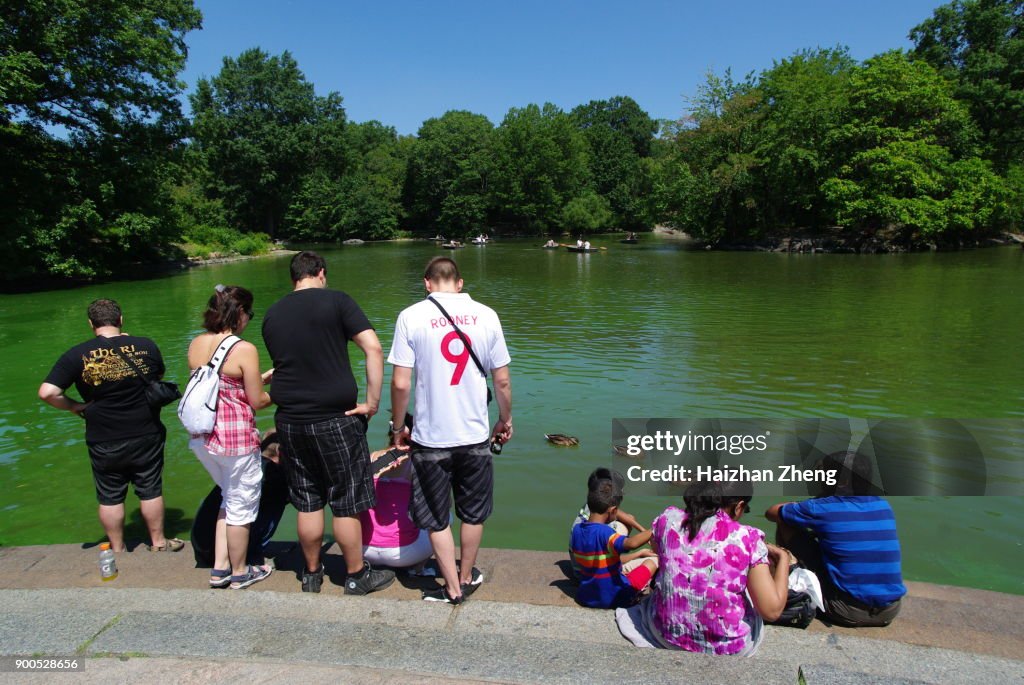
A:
438, 473
328, 463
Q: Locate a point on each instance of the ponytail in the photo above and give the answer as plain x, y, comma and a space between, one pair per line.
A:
703, 500
224, 309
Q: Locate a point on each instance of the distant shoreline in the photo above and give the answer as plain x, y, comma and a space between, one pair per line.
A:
798, 241
836, 241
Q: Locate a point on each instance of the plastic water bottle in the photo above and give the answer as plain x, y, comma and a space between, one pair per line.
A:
108, 567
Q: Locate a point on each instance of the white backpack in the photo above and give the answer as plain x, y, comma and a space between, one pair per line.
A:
198, 406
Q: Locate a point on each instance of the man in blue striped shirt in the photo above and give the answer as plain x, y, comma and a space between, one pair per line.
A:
848, 538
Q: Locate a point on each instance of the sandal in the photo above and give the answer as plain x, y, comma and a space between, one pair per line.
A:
170, 545
253, 574
220, 578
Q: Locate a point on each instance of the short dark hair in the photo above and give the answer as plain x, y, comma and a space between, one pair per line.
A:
602, 473
441, 269
604, 497
853, 473
306, 264
225, 307
104, 313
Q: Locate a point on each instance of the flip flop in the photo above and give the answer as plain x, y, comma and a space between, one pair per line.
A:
170, 545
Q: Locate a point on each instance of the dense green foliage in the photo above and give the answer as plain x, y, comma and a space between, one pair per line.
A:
104, 74
261, 129
98, 167
449, 173
619, 136
910, 155
979, 46
889, 149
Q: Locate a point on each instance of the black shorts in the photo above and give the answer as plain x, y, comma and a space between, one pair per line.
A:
138, 460
328, 463
467, 472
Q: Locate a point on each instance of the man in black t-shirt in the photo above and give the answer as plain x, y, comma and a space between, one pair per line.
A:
320, 423
123, 433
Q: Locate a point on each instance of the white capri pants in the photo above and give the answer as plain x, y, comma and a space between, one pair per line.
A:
400, 557
240, 480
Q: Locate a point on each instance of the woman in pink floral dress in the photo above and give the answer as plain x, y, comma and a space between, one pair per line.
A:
709, 565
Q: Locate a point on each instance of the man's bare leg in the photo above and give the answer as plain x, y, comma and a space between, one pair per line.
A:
444, 550
310, 525
348, 532
470, 536
153, 515
112, 518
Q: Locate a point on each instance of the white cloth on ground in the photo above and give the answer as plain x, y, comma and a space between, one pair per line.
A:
803, 580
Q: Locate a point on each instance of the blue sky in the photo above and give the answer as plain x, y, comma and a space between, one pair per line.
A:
404, 62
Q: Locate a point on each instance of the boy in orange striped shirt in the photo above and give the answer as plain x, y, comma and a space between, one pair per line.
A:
597, 552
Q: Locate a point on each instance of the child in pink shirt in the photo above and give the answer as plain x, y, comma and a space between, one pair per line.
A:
390, 538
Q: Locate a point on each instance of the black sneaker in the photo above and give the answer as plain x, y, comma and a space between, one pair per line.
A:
312, 580
373, 579
476, 579
440, 594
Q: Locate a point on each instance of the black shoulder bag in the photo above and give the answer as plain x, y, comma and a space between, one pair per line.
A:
799, 611
465, 342
158, 393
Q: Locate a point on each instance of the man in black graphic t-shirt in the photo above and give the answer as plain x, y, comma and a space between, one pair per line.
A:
123, 433
320, 422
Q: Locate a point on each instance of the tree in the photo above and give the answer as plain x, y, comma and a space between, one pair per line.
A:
717, 144
541, 164
618, 135
261, 128
448, 187
803, 99
979, 44
911, 160
587, 213
365, 202
88, 126
92, 66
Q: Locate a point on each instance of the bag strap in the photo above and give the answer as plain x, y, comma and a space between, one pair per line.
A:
131, 362
462, 336
220, 355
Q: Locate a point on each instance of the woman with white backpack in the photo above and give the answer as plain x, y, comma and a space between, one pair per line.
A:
231, 450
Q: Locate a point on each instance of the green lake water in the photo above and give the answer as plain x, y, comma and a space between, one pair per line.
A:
633, 331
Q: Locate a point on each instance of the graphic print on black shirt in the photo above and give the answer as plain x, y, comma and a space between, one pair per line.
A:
116, 395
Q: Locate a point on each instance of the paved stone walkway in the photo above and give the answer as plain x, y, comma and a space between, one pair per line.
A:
156, 622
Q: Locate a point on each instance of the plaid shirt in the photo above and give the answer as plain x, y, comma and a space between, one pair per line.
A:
234, 431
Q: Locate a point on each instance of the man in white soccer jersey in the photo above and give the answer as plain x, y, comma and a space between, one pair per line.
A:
451, 341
